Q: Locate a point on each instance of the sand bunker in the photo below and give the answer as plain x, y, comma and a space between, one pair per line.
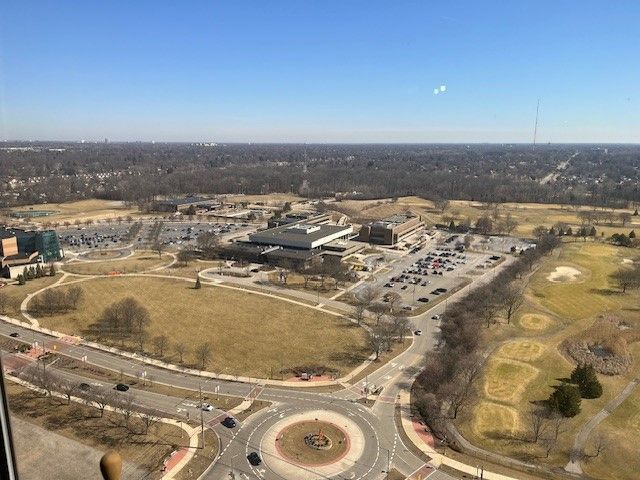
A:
564, 275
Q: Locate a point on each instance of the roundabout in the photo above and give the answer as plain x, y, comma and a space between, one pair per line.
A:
313, 442
317, 444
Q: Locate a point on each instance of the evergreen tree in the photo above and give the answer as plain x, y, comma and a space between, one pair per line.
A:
635, 212
25, 273
588, 384
565, 399
452, 225
593, 232
198, 284
52, 270
21, 279
632, 234
569, 231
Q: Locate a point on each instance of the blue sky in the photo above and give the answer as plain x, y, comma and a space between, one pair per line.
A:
320, 71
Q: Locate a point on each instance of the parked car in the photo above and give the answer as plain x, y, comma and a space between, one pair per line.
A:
436, 317
417, 333
254, 459
85, 387
423, 300
121, 387
206, 407
14, 334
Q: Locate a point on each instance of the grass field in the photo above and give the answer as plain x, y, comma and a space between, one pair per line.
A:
268, 199
92, 209
140, 262
363, 210
84, 424
250, 334
619, 432
527, 361
15, 293
530, 215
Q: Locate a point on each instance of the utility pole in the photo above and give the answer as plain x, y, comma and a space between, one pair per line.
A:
201, 416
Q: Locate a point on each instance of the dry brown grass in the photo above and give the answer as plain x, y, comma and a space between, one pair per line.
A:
84, 424
140, 262
291, 443
92, 209
250, 334
15, 293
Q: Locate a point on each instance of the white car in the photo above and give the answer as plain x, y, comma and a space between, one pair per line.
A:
436, 317
206, 407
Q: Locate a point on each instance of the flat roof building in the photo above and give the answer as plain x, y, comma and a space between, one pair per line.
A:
390, 230
302, 236
178, 204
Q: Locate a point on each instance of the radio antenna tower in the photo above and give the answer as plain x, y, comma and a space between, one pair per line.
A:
535, 127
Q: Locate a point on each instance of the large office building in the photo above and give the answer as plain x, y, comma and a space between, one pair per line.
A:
301, 242
301, 236
26, 248
390, 230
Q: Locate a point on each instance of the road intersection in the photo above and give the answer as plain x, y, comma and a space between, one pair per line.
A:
374, 429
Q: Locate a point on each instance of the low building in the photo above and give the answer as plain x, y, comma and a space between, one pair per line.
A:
181, 204
390, 230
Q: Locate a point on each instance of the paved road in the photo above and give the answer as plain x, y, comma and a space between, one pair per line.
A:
381, 443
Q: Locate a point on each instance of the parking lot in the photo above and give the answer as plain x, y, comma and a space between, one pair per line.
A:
435, 269
171, 234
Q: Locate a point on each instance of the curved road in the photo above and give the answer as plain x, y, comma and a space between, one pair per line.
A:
382, 446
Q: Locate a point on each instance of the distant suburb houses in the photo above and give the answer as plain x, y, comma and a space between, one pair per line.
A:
27, 248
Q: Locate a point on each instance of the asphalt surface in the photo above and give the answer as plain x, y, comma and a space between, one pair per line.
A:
383, 446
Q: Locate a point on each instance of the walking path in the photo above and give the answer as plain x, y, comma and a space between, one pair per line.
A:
581, 439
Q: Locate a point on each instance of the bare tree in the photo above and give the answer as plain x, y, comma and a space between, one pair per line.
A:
538, 423
125, 405
203, 354
548, 443
158, 247
558, 424
625, 217
627, 278
149, 417
600, 444
511, 298
208, 243
459, 392
160, 342
66, 387
400, 326
101, 397
74, 295
181, 349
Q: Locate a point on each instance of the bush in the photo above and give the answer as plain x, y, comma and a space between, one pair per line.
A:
565, 399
